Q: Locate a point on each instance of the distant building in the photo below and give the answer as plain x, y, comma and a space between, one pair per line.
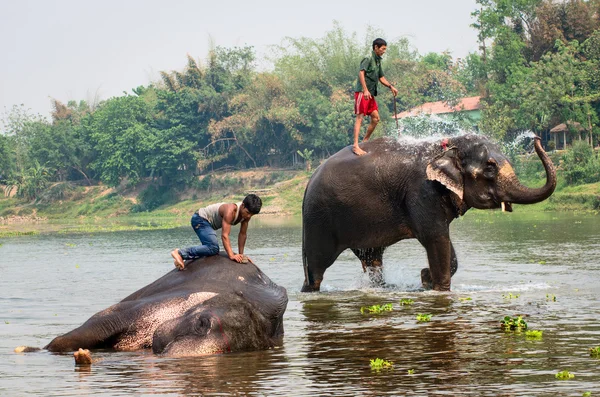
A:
470, 107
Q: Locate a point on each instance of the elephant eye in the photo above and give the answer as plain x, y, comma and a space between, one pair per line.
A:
490, 171
203, 324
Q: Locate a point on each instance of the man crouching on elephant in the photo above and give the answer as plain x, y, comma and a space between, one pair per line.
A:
214, 217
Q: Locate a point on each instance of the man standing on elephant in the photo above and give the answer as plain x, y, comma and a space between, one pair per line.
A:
207, 220
369, 75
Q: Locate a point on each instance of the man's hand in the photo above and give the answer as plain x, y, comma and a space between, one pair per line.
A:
239, 258
366, 94
394, 90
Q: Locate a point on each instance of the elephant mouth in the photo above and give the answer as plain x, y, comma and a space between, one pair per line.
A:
506, 206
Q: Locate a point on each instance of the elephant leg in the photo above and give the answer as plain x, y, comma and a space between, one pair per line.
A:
372, 263
440, 254
426, 279
316, 261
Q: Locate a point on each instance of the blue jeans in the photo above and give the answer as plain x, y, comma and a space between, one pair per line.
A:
207, 236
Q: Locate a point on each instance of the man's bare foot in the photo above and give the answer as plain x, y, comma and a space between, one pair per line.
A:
178, 259
358, 151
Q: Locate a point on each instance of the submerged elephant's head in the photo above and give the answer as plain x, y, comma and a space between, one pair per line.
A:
482, 177
223, 324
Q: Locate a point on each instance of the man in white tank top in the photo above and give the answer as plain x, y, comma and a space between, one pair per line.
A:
219, 216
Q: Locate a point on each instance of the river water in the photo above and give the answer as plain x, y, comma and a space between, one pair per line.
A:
509, 265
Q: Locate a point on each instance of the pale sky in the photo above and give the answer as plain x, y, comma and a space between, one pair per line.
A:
75, 49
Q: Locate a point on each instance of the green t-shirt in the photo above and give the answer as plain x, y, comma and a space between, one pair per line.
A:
373, 72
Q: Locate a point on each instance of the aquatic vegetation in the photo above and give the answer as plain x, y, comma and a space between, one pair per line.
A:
564, 375
550, 297
6, 322
70, 245
513, 324
511, 296
406, 301
378, 364
587, 394
14, 233
534, 334
468, 298
423, 318
377, 308
411, 371
595, 351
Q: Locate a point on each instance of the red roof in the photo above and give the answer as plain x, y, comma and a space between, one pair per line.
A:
441, 107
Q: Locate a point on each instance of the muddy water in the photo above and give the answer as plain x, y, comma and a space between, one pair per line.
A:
51, 283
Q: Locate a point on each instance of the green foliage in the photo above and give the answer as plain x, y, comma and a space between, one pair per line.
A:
510, 295
153, 197
423, 318
406, 301
376, 309
581, 164
514, 324
564, 375
377, 364
534, 334
32, 182
595, 351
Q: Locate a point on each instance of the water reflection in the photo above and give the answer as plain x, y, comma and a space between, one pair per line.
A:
328, 342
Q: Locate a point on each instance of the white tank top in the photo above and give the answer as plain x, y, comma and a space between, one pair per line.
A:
211, 214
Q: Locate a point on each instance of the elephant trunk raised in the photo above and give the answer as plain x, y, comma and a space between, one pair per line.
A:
515, 192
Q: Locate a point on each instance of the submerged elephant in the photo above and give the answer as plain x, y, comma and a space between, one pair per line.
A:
401, 190
213, 306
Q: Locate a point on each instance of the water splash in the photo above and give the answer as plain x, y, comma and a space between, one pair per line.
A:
431, 128
426, 127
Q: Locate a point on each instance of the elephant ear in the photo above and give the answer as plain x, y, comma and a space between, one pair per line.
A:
446, 170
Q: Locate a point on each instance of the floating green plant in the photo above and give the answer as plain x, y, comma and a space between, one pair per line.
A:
406, 301
377, 308
468, 298
595, 351
378, 364
13, 233
6, 322
534, 334
423, 318
564, 375
411, 371
70, 245
587, 394
513, 324
550, 297
511, 296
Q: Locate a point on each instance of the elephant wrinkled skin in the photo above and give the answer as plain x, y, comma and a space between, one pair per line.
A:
213, 306
402, 190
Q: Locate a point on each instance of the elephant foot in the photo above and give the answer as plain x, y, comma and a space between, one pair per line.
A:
316, 287
82, 357
376, 276
426, 280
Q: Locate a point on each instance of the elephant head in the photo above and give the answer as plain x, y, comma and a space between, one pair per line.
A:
222, 324
479, 174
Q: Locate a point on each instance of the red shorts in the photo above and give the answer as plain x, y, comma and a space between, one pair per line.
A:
364, 106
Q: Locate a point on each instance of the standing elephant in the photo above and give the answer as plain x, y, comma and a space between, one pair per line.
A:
401, 190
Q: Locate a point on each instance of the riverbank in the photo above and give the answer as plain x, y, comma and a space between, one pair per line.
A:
99, 208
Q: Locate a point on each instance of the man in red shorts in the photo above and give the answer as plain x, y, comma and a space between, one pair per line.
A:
366, 90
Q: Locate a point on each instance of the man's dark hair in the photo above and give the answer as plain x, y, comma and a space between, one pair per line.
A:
379, 42
253, 203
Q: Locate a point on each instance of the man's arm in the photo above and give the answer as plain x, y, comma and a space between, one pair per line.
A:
389, 85
228, 215
242, 237
363, 83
